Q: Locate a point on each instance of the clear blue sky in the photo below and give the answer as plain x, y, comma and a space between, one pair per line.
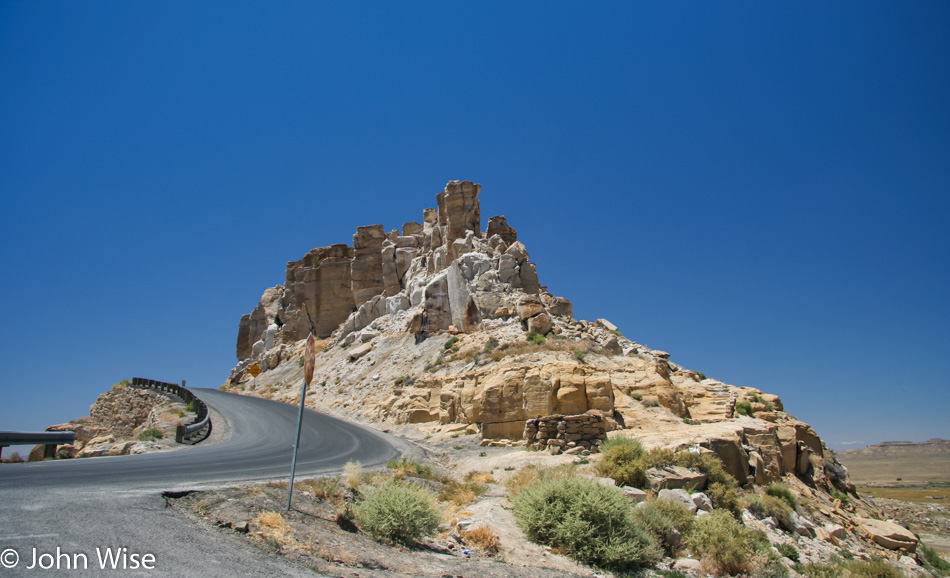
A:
760, 190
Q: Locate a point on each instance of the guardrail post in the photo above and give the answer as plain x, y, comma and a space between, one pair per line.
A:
49, 451
180, 434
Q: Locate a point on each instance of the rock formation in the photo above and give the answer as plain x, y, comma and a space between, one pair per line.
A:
382, 304
446, 270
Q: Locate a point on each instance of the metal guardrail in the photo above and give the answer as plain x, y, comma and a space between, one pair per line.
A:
50, 439
186, 433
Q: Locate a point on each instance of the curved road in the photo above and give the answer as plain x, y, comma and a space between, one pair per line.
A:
260, 446
79, 507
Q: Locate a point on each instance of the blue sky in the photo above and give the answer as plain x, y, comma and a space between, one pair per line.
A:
761, 190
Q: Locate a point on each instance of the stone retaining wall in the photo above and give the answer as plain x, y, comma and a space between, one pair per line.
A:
571, 434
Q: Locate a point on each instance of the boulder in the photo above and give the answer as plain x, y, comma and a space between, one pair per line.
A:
678, 496
636, 495
540, 324
360, 351
702, 501
672, 477
889, 534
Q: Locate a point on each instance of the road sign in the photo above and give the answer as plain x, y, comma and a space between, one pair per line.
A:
254, 370
308, 360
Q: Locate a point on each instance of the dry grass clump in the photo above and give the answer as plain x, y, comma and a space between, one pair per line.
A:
461, 494
274, 527
353, 474
482, 538
322, 488
479, 477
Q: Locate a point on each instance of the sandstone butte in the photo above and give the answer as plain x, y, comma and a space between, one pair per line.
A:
427, 325
444, 327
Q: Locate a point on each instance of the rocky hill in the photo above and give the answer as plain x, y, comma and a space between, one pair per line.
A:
443, 323
902, 463
447, 328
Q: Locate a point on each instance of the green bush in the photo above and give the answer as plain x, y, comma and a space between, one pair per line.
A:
591, 522
724, 496
780, 490
536, 338
788, 550
490, 345
933, 561
122, 383
450, 343
836, 495
744, 408
660, 518
725, 546
580, 355
621, 461
399, 512
151, 434
190, 406
770, 506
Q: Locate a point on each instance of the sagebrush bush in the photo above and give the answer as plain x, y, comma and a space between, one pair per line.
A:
725, 546
836, 495
781, 490
399, 512
770, 506
591, 522
743, 408
660, 518
531, 475
724, 496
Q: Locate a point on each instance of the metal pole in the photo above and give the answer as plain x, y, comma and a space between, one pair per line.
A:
293, 464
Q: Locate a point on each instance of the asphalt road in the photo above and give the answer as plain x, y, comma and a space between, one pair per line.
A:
85, 506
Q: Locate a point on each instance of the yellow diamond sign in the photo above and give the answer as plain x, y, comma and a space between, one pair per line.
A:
254, 370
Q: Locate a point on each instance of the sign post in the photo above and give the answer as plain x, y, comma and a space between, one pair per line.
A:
310, 354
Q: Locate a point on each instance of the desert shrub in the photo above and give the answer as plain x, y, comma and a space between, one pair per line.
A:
190, 406
353, 474
399, 512
479, 477
658, 458
621, 449
405, 467
591, 522
932, 560
725, 546
451, 341
322, 488
490, 345
708, 464
660, 518
482, 538
788, 550
770, 506
724, 496
122, 383
580, 355
780, 490
621, 460
836, 495
151, 434
536, 338
871, 569
743, 408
